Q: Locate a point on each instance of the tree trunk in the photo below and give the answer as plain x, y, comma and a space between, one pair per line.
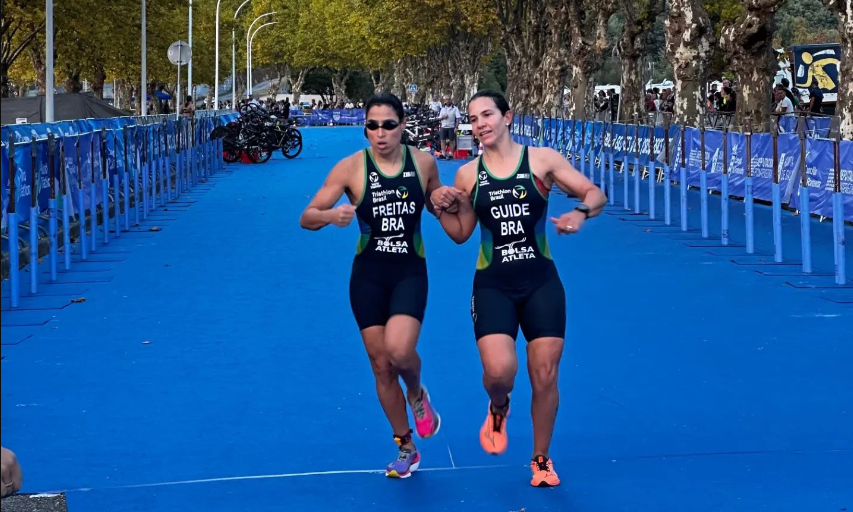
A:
98, 79
470, 50
39, 66
581, 95
297, 85
72, 81
748, 46
844, 105
126, 93
521, 37
410, 72
632, 97
457, 86
284, 82
471, 80
689, 39
398, 89
554, 67
587, 21
518, 80
339, 82
376, 78
437, 81
4, 81
639, 21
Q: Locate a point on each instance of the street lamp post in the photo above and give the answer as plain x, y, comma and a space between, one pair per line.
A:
216, 80
234, 56
48, 75
190, 67
143, 90
249, 52
252, 40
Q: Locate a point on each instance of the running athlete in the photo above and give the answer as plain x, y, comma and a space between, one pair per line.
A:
516, 282
389, 185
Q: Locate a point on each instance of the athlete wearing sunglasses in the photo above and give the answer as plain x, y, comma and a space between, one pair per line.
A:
388, 124
388, 187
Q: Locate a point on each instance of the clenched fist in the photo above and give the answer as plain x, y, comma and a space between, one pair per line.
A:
342, 215
446, 198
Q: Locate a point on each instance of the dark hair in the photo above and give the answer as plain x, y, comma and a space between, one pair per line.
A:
497, 97
388, 100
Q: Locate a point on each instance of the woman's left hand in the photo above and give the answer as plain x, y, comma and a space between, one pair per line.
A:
569, 223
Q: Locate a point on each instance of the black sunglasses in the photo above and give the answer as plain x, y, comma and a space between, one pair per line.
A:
388, 124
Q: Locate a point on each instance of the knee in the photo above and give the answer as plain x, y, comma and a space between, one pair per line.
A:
383, 370
500, 370
543, 375
399, 355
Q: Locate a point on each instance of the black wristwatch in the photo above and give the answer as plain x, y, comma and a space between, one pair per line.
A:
583, 208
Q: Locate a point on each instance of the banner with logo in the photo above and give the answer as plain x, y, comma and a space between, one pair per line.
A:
4, 184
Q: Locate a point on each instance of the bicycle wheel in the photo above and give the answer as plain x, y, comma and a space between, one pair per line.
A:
293, 146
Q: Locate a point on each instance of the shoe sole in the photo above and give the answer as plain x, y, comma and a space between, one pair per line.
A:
407, 474
544, 484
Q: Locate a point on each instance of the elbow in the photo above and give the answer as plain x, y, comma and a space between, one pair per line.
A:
460, 238
306, 224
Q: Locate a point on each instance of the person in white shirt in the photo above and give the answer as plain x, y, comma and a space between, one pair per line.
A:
450, 117
784, 106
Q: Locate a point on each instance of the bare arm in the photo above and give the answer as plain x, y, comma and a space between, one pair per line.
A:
571, 181
429, 172
457, 213
319, 213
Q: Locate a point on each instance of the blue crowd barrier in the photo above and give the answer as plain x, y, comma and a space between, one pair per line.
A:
809, 174
105, 175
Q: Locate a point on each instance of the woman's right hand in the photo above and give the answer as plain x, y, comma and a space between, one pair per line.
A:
342, 215
444, 198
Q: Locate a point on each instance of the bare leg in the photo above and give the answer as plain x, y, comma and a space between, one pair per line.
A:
543, 363
500, 365
401, 339
388, 387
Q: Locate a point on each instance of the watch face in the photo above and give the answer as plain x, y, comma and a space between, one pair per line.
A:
582, 207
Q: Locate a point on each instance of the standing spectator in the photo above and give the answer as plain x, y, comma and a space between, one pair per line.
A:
783, 103
188, 108
815, 98
602, 105
450, 117
614, 105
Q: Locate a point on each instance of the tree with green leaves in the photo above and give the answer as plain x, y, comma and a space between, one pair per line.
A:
20, 26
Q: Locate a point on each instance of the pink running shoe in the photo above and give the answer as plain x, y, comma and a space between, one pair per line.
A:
427, 421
